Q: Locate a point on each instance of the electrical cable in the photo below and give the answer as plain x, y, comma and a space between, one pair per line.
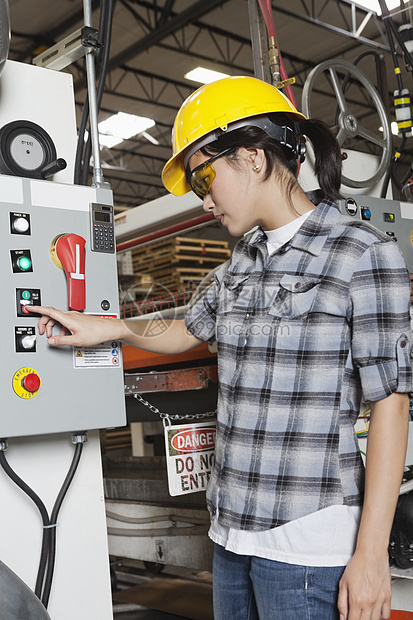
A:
390, 28
403, 12
407, 55
48, 550
53, 522
390, 31
81, 142
43, 512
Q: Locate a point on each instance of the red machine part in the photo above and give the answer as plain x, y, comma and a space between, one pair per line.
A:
70, 249
31, 382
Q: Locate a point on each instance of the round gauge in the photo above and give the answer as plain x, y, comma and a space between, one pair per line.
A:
26, 150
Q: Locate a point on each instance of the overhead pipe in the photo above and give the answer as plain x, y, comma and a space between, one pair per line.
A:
170, 231
98, 180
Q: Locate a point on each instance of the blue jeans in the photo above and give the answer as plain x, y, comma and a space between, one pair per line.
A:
252, 588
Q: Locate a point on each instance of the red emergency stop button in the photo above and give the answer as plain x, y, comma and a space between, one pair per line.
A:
31, 382
26, 382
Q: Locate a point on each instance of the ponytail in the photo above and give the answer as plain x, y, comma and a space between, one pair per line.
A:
326, 150
328, 160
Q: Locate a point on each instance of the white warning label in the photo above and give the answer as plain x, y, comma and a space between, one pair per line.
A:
99, 356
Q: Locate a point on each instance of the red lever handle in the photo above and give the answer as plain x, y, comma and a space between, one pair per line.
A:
70, 250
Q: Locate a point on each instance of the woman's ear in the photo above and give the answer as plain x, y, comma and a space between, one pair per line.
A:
254, 157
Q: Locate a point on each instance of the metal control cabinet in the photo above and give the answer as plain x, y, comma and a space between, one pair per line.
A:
45, 389
392, 217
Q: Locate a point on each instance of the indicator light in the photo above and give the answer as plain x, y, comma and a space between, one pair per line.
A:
21, 225
24, 263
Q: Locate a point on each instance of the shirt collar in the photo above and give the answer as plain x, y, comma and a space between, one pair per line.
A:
312, 234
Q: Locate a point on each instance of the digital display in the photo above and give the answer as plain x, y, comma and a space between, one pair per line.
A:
102, 217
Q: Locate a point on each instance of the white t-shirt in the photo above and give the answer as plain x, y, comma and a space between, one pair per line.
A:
323, 538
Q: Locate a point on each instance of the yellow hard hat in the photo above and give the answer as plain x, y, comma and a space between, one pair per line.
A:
212, 107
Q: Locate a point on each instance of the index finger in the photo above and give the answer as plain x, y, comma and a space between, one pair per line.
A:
46, 311
49, 316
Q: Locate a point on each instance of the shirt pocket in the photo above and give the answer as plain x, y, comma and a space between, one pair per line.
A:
295, 297
235, 293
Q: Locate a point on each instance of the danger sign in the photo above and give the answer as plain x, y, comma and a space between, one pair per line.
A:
189, 457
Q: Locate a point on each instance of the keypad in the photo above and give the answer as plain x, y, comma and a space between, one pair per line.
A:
103, 238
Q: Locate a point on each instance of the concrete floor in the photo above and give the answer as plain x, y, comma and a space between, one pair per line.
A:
142, 614
129, 573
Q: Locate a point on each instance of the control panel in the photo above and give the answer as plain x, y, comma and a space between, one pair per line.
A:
58, 249
392, 217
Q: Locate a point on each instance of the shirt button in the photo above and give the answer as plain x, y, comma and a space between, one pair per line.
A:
297, 285
403, 344
248, 315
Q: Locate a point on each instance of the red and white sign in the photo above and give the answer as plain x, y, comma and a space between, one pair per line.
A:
189, 456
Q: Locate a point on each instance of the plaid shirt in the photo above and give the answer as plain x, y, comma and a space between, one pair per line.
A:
303, 336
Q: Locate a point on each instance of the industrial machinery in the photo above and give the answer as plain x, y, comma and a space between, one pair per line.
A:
57, 247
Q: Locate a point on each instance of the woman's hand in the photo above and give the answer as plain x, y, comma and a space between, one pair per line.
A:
77, 329
365, 588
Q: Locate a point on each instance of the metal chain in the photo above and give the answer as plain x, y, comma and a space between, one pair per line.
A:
167, 417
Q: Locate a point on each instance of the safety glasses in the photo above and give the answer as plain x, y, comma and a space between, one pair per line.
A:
200, 178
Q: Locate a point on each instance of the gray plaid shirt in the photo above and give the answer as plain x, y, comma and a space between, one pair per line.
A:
303, 336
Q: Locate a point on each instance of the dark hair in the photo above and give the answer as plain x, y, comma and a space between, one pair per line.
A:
328, 160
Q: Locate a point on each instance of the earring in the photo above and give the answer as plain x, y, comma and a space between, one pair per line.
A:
256, 167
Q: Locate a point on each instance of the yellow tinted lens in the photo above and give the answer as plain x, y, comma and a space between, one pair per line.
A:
201, 180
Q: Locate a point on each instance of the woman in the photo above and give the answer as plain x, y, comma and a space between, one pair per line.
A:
311, 316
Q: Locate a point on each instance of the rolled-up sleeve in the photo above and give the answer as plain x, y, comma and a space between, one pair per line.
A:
381, 334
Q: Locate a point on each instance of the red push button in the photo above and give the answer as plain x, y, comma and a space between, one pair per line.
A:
31, 382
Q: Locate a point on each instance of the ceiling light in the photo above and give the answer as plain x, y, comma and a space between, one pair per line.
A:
205, 76
150, 138
373, 5
122, 126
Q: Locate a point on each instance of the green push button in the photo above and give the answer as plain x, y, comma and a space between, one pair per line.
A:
24, 263
26, 295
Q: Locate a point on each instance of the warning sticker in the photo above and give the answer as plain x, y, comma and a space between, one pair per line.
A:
189, 456
99, 356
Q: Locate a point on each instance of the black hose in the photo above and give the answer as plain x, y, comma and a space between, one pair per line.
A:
81, 142
48, 550
407, 55
391, 173
388, 22
53, 522
45, 519
403, 12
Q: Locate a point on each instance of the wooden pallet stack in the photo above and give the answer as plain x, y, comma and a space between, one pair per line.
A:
178, 262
